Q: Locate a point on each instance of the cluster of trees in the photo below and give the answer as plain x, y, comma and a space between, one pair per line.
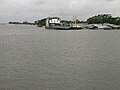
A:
15, 23
99, 19
104, 18
29, 23
24, 22
40, 22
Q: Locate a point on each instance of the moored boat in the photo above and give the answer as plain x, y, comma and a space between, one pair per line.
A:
55, 23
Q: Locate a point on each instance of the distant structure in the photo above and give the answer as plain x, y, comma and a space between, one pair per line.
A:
74, 24
55, 23
99, 26
52, 21
74, 20
24, 22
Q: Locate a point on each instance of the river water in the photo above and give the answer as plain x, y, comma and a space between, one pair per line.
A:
33, 58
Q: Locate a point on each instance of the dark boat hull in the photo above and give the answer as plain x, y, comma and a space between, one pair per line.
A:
76, 28
59, 27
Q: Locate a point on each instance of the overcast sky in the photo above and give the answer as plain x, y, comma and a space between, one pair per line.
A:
30, 10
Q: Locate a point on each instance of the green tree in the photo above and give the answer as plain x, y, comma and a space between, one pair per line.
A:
104, 18
40, 22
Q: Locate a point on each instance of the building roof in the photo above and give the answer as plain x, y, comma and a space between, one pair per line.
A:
112, 25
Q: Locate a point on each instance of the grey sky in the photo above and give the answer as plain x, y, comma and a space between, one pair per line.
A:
30, 10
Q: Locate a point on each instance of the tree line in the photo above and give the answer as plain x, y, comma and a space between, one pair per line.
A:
104, 18
24, 22
99, 19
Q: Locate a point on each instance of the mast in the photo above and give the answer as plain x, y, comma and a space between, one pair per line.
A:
74, 20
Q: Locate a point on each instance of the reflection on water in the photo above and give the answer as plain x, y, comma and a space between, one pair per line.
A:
33, 58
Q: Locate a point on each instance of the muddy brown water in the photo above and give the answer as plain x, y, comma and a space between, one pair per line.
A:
33, 58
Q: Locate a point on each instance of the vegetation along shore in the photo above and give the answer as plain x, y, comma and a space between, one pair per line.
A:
102, 21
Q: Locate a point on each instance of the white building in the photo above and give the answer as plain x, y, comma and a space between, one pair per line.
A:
54, 20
